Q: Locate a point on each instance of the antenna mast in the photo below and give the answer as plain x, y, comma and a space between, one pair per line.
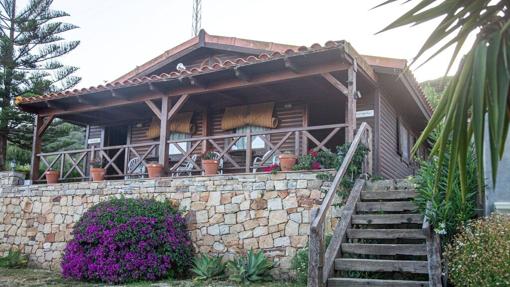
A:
197, 17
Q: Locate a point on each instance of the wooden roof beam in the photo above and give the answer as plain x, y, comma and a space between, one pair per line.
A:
117, 95
196, 83
153, 108
336, 83
235, 83
85, 101
178, 105
241, 74
57, 106
291, 65
45, 124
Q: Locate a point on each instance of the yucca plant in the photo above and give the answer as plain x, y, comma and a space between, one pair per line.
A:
479, 89
254, 267
208, 267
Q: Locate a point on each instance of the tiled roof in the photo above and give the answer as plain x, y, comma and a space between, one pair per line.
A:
186, 73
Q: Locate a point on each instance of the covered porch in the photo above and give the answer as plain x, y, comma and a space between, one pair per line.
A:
308, 96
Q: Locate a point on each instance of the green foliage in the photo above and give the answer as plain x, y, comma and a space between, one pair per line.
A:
479, 89
254, 267
31, 44
355, 169
449, 208
299, 265
326, 160
208, 268
434, 90
14, 259
480, 254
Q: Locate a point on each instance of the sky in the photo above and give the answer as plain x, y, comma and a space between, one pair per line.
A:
116, 35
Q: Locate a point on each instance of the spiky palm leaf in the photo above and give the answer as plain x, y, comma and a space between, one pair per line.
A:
478, 95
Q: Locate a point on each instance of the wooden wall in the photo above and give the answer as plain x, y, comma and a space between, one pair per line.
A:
391, 164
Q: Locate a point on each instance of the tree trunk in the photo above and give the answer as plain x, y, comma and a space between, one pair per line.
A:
3, 151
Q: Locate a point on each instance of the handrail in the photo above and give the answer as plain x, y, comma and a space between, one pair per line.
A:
433, 251
318, 270
328, 199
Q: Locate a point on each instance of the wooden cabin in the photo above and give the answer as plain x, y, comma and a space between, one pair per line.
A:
246, 100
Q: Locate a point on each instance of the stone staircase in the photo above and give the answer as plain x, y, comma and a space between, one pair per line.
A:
385, 244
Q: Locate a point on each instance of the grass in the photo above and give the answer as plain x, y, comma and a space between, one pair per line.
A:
39, 277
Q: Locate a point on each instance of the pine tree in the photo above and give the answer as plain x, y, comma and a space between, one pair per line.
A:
30, 45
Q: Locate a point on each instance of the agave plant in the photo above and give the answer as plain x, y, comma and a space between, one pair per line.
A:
478, 94
253, 267
208, 267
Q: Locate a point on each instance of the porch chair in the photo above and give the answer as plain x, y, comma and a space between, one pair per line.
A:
259, 159
186, 167
136, 170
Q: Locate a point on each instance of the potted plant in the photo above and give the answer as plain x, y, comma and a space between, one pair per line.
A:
155, 170
97, 171
52, 176
210, 163
287, 161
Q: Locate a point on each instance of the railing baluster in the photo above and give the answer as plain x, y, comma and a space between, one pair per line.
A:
296, 143
62, 162
248, 151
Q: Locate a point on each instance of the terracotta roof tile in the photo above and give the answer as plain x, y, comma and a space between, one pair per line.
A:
174, 75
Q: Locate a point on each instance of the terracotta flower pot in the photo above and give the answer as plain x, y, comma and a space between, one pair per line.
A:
210, 166
155, 170
52, 176
287, 161
97, 173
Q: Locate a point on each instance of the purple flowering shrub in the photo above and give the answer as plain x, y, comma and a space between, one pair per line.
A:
124, 240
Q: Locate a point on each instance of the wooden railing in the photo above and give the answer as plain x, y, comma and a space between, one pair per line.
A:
433, 253
224, 146
73, 165
320, 261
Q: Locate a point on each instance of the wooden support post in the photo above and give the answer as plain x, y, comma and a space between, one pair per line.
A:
350, 108
316, 253
205, 129
36, 148
163, 133
248, 151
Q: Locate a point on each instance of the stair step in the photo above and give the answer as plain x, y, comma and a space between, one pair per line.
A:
376, 265
385, 249
385, 195
387, 218
361, 282
393, 206
385, 233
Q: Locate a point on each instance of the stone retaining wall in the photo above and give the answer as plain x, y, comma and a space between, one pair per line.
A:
227, 214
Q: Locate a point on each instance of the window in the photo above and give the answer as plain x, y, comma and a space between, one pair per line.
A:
173, 150
403, 141
256, 142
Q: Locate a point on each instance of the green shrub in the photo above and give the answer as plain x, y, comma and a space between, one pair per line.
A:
479, 255
14, 259
449, 209
299, 265
207, 267
254, 267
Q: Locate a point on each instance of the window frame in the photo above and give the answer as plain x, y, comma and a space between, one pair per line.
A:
235, 147
171, 145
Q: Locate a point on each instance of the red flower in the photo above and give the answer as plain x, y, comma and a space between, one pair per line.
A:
313, 153
272, 167
316, 165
